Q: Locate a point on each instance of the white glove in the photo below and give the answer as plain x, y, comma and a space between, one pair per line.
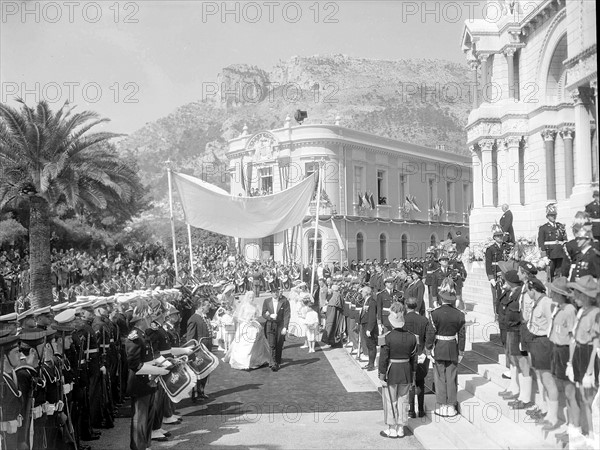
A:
569, 373
283, 331
103, 370
274, 316
587, 381
421, 358
368, 333
460, 357
493, 282
380, 329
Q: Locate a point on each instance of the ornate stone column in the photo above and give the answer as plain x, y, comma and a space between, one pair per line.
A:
513, 172
487, 171
567, 136
583, 144
595, 151
510, 59
477, 182
473, 65
548, 135
484, 76
503, 174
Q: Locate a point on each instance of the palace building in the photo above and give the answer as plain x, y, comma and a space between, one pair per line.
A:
532, 131
365, 182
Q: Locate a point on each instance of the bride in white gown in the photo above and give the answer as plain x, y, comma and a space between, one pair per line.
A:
249, 349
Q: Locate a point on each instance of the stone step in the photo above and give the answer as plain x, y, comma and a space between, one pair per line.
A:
456, 431
482, 406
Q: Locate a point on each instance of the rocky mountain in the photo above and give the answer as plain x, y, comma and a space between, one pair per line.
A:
420, 101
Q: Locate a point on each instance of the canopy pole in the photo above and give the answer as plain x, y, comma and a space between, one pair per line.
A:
189, 230
316, 235
172, 221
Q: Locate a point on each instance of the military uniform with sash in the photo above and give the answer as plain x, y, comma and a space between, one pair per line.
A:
551, 237
429, 268
495, 254
446, 344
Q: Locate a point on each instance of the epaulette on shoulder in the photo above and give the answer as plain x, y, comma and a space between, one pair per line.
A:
133, 335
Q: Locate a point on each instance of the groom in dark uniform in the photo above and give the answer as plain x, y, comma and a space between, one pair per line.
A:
276, 310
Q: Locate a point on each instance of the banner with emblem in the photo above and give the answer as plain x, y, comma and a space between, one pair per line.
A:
243, 217
201, 360
178, 384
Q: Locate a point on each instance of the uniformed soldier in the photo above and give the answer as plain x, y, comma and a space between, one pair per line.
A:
440, 275
11, 398
376, 279
459, 275
171, 326
593, 210
551, 237
141, 388
102, 329
582, 254
446, 345
430, 266
385, 299
417, 324
494, 254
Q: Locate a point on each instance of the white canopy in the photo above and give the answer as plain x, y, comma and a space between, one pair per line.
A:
211, 208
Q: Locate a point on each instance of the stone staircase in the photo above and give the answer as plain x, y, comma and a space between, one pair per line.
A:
480, 379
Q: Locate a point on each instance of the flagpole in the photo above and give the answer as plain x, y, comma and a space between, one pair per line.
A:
172, 220
316, 236
189, 230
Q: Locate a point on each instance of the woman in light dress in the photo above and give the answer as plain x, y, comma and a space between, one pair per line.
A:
297, 328
249, 349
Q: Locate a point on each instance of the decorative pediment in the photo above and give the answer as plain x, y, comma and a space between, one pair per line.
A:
262, 145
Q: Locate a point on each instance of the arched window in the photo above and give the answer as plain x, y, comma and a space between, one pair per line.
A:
360, 242
433, 240
311, 246
382, 247
404, 246
557, 72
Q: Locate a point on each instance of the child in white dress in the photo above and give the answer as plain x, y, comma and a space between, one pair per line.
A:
311, 321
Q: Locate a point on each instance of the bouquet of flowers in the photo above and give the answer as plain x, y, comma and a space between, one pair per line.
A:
527, 250
476, 252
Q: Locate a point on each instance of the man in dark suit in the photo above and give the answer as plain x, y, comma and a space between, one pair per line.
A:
593, 209
385, 298
200, 329
440, 275
551, 237
446, 344
506, 223
429, 268
417, 325
368, 326
276, 311
494, 254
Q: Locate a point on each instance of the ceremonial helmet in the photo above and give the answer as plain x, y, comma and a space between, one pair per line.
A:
496, 230
551, 209
582, 225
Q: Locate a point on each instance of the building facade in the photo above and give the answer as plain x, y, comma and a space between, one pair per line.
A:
365, 182
532, 131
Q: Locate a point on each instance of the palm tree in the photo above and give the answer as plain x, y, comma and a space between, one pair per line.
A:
50, 160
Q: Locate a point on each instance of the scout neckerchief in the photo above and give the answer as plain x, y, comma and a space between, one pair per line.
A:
535, 303
555, 311
580, 315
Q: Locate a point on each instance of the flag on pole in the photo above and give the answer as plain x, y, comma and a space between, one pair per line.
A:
371, 201
211, 208
337, 236
360, 200
242, 178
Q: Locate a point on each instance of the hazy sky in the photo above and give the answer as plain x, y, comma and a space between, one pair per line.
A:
137, 61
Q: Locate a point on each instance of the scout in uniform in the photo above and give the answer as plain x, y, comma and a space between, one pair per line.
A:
11, 398
540, 348
561, 325
397, 372
583, 367
429, 268
446, 345
551, 237
593, 210
494, 254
